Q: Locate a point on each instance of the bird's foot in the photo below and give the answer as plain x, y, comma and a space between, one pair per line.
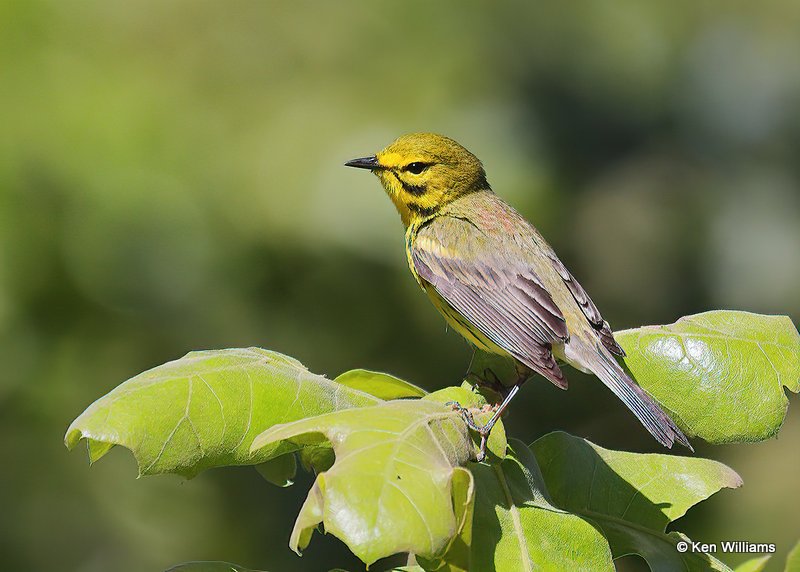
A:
465, 413
482, 430
485, 430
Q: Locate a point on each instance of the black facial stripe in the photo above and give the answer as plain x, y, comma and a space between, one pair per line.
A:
415, 190
422, 211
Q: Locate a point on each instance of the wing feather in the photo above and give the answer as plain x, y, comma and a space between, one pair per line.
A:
588, 307
503, 299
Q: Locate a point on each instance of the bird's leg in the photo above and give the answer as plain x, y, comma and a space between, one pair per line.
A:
487, 428
523, 373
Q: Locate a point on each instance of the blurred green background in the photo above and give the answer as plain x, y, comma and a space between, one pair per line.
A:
171, 179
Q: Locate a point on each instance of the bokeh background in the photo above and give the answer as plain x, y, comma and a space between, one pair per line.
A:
171, 179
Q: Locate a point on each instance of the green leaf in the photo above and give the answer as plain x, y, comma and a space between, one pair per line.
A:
391, 487
756, 564
279, 471
516, 527
381, 385
457, 554
210, 566
793, 560
204, 410
631, 496
720, 374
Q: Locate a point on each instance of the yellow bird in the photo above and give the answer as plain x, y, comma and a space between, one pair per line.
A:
495, 278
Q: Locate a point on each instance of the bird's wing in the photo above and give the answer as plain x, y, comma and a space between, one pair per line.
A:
500, 296
589, 309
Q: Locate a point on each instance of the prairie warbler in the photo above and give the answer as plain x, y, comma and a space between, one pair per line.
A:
495, 278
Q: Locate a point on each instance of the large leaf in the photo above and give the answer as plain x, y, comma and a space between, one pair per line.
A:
632, 497
379, 384
204, 410
396, 484
720, 374
516, 527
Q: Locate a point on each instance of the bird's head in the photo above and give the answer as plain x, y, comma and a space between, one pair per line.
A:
422, 172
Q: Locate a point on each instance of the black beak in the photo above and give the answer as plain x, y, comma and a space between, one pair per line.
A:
365, 163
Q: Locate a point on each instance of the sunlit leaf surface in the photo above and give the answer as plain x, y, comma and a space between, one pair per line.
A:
721, 374
391, 488
204, 410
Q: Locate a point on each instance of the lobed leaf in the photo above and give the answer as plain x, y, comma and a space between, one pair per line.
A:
720, 374
204, 410
632, 497
396, 484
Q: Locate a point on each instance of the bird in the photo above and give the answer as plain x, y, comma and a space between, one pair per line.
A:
496, 280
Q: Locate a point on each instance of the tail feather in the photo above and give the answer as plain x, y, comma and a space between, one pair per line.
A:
658, 423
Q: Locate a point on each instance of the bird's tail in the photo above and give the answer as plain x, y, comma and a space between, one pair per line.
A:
636, 399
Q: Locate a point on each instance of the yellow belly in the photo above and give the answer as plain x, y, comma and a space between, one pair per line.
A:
460, 324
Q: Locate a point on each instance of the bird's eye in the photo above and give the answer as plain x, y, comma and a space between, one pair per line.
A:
416, 167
